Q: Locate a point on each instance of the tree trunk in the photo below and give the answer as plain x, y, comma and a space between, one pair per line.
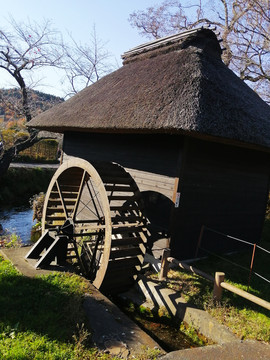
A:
6, 159
9, 154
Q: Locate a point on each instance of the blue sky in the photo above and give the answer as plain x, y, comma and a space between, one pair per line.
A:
110, 18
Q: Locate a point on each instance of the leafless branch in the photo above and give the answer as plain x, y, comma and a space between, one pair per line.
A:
85, 63
244, 26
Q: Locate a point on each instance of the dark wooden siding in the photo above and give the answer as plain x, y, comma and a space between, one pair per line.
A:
156, 154
152, 160
224, 188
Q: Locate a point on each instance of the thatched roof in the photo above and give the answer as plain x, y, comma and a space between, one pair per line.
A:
175, 85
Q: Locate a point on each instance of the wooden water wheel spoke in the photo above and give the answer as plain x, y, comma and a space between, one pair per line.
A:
62, 199
89, 204
94, 199
86, 206
124, 227
79, 195
102, 205
89, 228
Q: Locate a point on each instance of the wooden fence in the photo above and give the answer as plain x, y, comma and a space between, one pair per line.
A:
218, 280
246, 243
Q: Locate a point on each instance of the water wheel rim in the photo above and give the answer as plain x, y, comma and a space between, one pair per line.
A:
107, 227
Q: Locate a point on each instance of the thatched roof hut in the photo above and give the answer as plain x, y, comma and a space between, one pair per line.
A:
195, 137
178, 86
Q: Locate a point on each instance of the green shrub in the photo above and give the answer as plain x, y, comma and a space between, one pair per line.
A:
18, 185
10, 240
36, 232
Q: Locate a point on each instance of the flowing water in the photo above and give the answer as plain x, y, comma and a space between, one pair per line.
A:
19, 221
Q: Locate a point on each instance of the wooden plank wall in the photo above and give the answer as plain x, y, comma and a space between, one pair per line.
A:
224, 188
152, 160
147, 181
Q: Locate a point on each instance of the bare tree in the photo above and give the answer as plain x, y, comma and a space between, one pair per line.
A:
85, 63
252, 45
170, 17
26, 47
244, 26
164, 19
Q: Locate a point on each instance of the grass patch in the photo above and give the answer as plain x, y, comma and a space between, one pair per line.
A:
42, 317
10, 240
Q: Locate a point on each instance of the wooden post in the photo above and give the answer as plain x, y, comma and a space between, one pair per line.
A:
251, 266
164, 265
199, 241
219, 278
61, 250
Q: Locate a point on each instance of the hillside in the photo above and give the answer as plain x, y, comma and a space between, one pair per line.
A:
13, 125
11, 107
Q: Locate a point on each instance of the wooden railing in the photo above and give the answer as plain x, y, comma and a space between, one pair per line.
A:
255, 247
218, 280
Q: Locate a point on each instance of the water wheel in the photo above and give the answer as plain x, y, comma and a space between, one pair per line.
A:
98, 208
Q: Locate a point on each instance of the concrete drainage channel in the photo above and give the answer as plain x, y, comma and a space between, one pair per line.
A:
157, 296
153, 295
161, 327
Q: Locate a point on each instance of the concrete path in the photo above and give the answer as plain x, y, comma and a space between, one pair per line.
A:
242, 350
33, 165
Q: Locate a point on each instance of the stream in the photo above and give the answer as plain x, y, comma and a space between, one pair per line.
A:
19, 221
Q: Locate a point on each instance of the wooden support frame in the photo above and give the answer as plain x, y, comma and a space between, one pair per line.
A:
164, 265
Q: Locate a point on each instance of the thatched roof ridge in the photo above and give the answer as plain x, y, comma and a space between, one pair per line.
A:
183, 87
173, 42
